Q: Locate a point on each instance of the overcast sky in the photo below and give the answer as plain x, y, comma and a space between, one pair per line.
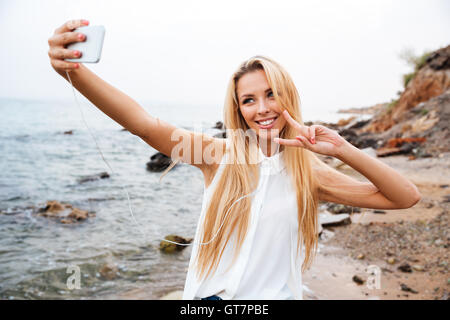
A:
340, 53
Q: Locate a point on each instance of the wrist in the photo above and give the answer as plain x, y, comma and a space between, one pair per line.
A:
73, 73
343, 150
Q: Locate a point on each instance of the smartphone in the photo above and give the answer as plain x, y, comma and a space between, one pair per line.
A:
91, 48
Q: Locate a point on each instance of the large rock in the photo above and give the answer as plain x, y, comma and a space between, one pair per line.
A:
338, 208
168, 247
397, 146
101, 175
158, 162
424, 132
221, 135
219, 125
78, 214
63, 212
327, 219
326, 235
359, 140
53, 209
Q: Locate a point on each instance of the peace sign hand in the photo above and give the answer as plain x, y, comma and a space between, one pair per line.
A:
316, 138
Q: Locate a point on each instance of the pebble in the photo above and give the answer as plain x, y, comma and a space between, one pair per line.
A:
404, 287
358, 280
418, 267
109, 271
391, 260
404, 267
361, 256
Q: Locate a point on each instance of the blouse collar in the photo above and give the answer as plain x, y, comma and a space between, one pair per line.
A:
270, 165
273, 164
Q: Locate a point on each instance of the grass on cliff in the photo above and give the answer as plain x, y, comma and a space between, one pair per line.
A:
417, 62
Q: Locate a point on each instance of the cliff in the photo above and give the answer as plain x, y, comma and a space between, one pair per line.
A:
431, 80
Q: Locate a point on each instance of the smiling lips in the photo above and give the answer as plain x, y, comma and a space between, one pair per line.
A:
266, 123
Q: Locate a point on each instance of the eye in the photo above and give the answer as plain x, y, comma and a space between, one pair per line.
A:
270, 94
246, 100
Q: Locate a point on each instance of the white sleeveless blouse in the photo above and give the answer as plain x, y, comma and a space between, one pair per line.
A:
267, 266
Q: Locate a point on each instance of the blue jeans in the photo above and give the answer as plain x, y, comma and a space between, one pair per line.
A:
212, 298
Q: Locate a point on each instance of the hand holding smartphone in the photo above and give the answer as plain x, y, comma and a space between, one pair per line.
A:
91, 48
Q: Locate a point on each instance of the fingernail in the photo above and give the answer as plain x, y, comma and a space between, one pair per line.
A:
85, 22
81, 36
76, 65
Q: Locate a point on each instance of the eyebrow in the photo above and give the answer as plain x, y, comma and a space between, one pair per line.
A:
251, 95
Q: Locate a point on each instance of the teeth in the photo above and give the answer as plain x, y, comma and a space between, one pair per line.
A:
267, 122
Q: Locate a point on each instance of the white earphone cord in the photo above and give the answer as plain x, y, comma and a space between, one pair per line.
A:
128, 196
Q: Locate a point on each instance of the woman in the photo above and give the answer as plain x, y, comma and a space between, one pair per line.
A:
258, 226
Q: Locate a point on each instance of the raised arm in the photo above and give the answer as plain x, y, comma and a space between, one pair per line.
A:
394, 190
164, 137
387, 188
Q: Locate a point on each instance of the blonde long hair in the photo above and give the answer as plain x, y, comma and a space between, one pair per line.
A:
241, 177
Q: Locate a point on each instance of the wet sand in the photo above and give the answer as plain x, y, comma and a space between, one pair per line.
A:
416, 236
330, 278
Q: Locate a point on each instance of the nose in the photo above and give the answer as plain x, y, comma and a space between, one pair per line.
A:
262, 107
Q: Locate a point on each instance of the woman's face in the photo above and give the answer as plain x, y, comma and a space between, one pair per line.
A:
258, 106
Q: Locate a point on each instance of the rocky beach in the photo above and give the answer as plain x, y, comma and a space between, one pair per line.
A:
409, 246
363, 253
